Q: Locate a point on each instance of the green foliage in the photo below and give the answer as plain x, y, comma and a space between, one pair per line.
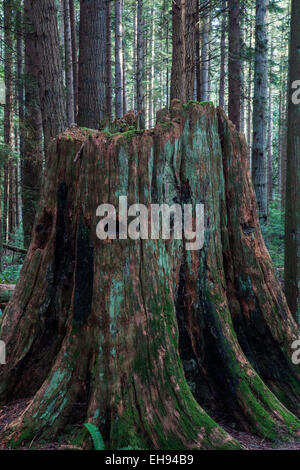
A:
11, 274
96, 436
98, 439
273, 233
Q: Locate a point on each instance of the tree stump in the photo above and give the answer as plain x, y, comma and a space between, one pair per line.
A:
144, 338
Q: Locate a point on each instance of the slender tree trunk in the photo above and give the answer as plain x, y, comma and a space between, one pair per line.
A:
242, 65
260, 110
222, 63
124, 75
20, 94
92, 99
205, 51
292, 206
249, 102
190, 50
61, 30
270, 133
74, 56
118, 60
69, 64
20, 77
178, 76
8, 121
234, 63
108, 61
198, 54
135, 61
152, 58
140, 92
284, 151
50, 76
32, 129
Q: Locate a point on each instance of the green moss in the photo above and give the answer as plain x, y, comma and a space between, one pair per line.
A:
26, 435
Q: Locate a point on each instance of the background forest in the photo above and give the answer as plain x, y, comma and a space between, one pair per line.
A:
238, 59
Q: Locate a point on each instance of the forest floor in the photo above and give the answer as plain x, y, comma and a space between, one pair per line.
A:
250, 442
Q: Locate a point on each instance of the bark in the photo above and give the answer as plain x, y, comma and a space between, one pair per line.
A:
222, 63
74, 55
124, 68
20, 77
260, 110
270, 135
292, 206
234, 62
8, 225
190, 39
140, 92
50, 74
249, 103
108, 61
69, 65
242, 52
19, 141
118, 60
134, 46
205, 52
178, 76
92, 104
152, 58
32, 129
198, 55
137, 311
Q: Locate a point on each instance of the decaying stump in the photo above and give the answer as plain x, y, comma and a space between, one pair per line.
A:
100, 331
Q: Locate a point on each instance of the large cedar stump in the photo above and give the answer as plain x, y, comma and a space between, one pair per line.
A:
114, 332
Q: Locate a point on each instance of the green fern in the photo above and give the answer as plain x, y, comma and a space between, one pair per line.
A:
96, 436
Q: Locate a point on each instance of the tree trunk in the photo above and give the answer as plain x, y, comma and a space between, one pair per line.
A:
190, 50
140, 92
292, 206
198, 55
8, 121
136, 311
69, 65
124, 76
134, 67
260, 110
50, 74
222, 63
249, 102
152, 58
234, 63
270, 133
118, 60
32, 129
178, 76
74, 56
108, 61
205, 51
92, 103
19, 140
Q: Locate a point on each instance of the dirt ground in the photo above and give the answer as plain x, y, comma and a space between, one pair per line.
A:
251, 442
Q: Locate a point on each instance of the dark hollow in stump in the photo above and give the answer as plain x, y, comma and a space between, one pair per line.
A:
140, 337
